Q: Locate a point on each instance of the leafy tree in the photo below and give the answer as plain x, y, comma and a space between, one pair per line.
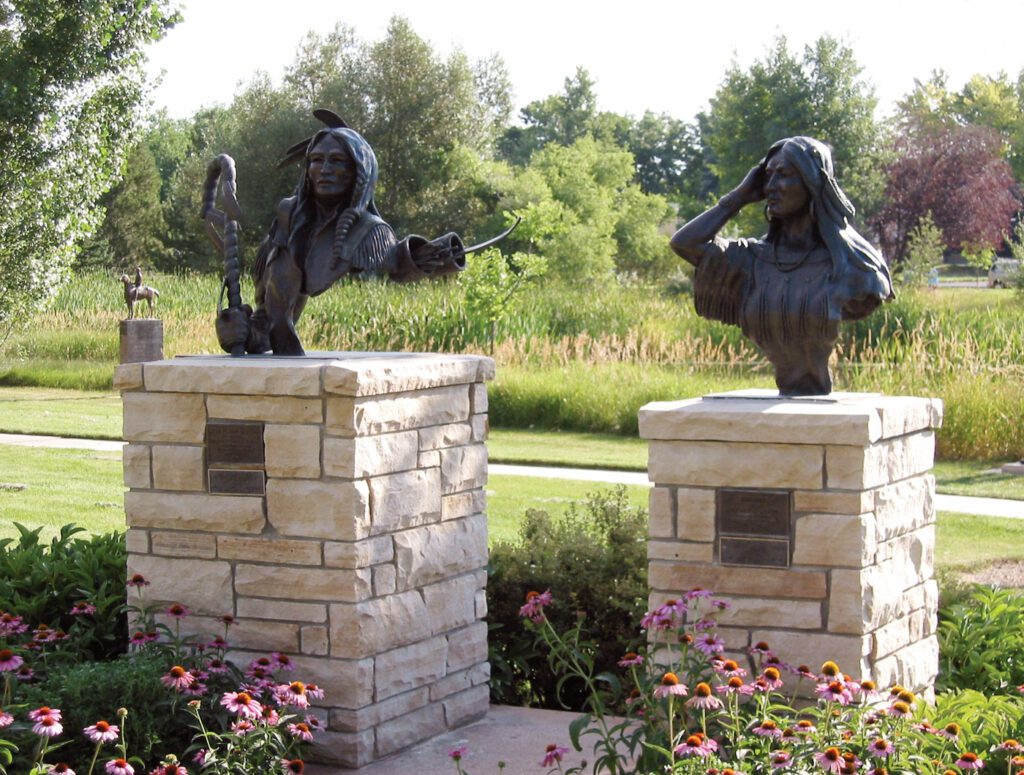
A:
494, 284
925, 247
959, 175
70, 88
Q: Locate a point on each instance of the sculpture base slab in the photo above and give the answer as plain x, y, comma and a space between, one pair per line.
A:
814, 518
142, 340
1017, 469
334, 506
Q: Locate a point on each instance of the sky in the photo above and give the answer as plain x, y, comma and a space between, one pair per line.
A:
668, 57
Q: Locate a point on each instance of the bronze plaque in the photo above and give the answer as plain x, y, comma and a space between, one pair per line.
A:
754, 512
234, 443
756, 552
228, 481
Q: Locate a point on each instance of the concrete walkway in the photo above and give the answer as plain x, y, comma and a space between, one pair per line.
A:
987, 507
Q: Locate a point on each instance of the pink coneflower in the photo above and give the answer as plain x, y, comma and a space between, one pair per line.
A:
283, 661
830, 672
781, 760
293, 694
730, 668
553, 754
703, 698
805, 727
692, 746
170, 768
880, 748
177, 611
178, 678
270, 716
533, 608
899, 709
869, 691
830, 760
293, 766
772, 677
25, 674
60, 768
138, 581
631, 659
655, 622
197, 689
669, 685
1010, 745
38, 713
734, 685
241, 703
6, 719
82, 608
216, 666
951, 731
760, 686
697, 593
761, 648
11, 624
138, 638
925, 727
704, 624
119, 767
970, 761
459, 751
314, 691
9, 661
834, 691
218, 643
102, 732
43, 634
242, 727
264, 664
767, 728
262, 676
313, 722
47, 726
301, 731
710, 643
803, 671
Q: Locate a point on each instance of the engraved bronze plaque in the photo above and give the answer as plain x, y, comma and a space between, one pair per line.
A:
754, 512
753, 552
234, 443
228, 481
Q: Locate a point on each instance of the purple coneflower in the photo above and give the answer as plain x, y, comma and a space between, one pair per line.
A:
242, 727
39, 713
178, 678
138, 581
772, 677
781, 760
293, 694
293, 766
533, 608
951, 731
694, 745
767, 728
11, 624
553, 754
9, 661
734, 685
670, 685
301, 731
899, 709
102, 732
459, 751
60, 768
830, 760
880, 748
241, 703
169, 768
177, 611
710, 643
48, 726
82, 608
631, 659
1010, 745
314, 691
834, 691
970, 761
703, 698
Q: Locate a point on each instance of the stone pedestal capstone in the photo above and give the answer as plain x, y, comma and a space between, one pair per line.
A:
142, 340
814, 518
334, 505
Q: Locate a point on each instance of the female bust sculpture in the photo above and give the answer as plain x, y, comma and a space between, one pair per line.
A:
789, 290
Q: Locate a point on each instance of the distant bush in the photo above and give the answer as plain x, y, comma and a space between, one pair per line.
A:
981, 642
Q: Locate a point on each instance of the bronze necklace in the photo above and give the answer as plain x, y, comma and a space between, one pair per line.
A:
793, 265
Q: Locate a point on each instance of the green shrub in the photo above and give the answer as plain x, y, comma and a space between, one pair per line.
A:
42, 582
594, 558
981, 642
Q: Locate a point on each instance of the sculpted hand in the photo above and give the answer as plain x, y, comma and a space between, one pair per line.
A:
751, 188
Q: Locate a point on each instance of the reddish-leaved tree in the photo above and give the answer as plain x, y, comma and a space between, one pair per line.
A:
960, 175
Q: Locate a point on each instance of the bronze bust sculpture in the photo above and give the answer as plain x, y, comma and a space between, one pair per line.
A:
789, 290
328, 229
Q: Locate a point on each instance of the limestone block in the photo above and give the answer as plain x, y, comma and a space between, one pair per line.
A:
435, 552
135, 459
463, 504
397, 411
661, 507
269, 409
359, 554
265, 636
409, 667
736, 464
481, 604
281, 551
485, 371
373, 626
385, 579
365, 718
355, 458
861, 601
904, 506
449, 435
178, 468
193, 511
337, 510
285, 610
204, 585
177, 544
481, 427
136, 541
463, 468
347, 683
695, 514
850, 652
913, 554
478, 398
466, 706
780, 421
914, 667
798, 584
900, 633
235, 376
467, 647
429, 459
453, 603
167, 417
313, 641
834, 540
285, 583
411, 728
679, 551
404, 500
372, 374
772, 612
292, 451
347, 749
128, 376
829, 502
902, 415
453, 683
856, 468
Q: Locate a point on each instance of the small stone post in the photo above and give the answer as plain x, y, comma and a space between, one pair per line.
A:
814, 517
142, 339
334, 505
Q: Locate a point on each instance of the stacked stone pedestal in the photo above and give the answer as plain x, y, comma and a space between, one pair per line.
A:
333, 505
857, 582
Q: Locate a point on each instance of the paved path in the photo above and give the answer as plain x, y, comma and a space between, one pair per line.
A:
991, 507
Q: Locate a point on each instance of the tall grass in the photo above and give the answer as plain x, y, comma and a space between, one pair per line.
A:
584, 358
